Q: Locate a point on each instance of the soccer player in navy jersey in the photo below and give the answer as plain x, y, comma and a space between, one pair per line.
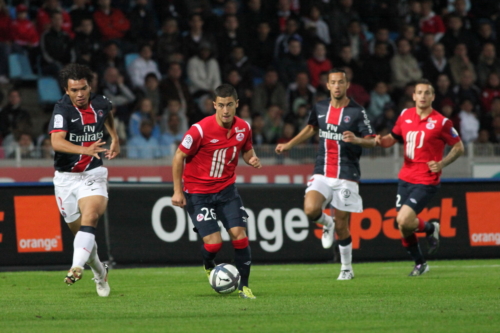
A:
424, 133
203, 172
80, 181
344, 128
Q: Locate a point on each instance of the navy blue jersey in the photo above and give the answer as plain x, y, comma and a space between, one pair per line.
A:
336, 158
83, 127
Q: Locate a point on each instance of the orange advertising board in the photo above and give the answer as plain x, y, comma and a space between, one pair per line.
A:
483, 217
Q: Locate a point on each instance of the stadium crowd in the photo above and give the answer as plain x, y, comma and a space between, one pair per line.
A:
159, 61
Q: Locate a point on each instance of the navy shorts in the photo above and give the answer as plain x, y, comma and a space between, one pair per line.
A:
206, 210
417, 196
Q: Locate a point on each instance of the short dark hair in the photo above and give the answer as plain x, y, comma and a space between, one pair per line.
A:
150, 75
337, 70
225, 90
427, 82
75, 72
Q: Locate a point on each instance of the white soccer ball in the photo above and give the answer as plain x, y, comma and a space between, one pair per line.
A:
224, 278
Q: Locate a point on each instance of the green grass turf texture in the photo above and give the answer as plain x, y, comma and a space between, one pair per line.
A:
455, 296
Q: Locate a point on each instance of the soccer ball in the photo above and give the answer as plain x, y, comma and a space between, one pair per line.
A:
224, 278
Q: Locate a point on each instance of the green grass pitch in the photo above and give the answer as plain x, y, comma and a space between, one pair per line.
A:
455, 296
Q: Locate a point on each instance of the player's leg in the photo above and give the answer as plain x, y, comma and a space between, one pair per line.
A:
318, 195
345, 244
211, 245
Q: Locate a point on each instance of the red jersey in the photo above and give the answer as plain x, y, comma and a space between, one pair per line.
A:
24, 33
424, 141
213, 154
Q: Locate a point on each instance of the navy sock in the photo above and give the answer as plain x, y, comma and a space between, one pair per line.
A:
208, 257
429, 228
243, 262
415, 253
89, 229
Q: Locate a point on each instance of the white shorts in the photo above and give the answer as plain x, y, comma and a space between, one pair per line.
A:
70, 187
342, 194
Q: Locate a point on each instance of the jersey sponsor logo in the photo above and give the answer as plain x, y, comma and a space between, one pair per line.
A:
73, 120
240, 136
347, 119
239, 130
454, 132
58, 121
214, 141
330, 135
345, 193
430, 126
86, 137
187, 142
199, 217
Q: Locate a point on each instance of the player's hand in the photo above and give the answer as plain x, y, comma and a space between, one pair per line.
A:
178, 199
282, 147
96, 148
378, 140
255, 162
349, 136
113, 151
435, 166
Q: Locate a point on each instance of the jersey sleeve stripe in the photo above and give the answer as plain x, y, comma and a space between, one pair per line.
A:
199, 129
54, 131
444, 121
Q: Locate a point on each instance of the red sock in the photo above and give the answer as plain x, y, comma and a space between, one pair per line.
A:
421, 225
240, 243
213, 248
410, 240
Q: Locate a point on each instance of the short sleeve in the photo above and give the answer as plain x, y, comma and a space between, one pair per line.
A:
248, 144
449, 133
313, 117
364, 125
58, 122
192, 140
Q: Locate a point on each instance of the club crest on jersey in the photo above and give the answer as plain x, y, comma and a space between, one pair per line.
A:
187, 142
240, 136
345, 193
100, 113
347, 119
199, 217
430, 126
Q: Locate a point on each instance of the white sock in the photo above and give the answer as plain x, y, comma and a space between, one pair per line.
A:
94, 262
346, 257
325, 220
82, 245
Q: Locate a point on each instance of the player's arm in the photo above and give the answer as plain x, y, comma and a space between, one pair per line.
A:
307, 132
251, 159
114, 148
385, 141
456, 151
178, 198
61, 145
366, 142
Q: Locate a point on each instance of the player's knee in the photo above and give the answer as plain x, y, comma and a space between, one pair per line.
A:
239, 244
312, 211
403, 221
90, 217
213, 248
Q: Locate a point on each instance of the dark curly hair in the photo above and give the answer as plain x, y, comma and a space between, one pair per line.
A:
75, 72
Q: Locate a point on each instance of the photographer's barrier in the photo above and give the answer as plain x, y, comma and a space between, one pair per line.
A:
143, 227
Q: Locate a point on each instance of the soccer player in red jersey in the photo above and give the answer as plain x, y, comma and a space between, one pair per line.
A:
424, 132
344, 129
210, 151
80, 181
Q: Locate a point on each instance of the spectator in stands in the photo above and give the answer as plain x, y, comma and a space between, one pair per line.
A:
203, 71
299, 92
283, 40
143, 29
378, 99
240, 62
252, 16
23, 31
404, 66
436, 64
288, 133
424, 48
169, 41
460, 62
384, 123
495, 131
205, 107
261, 48
229, 38
466, 89
57, 47
408, 33
414, 14
120, 126
115, 89
243, 89
355, 91
490, 91
292, 63
170, 140
112, 23
5, 37
44, 17
460, 9
357, 40
318, 63
469, 125
13, 118
316, 28
22, 142
144, 112
447, 109
346, 59
87, 42
45, 148
486, 119
457, 34
377, 68
269, 92
195, 37
244, 113
142, 66
431, 22
340, 18
485, 35
443, 92
111, 57
487, 63
258, 137
81, 10
382, 36
283, 16
273, 124
144, 145
151, 90
173, 108
172, 87
301, 116
407, 96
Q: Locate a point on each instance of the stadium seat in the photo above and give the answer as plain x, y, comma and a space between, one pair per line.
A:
49, 91
20, 68
129, 57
